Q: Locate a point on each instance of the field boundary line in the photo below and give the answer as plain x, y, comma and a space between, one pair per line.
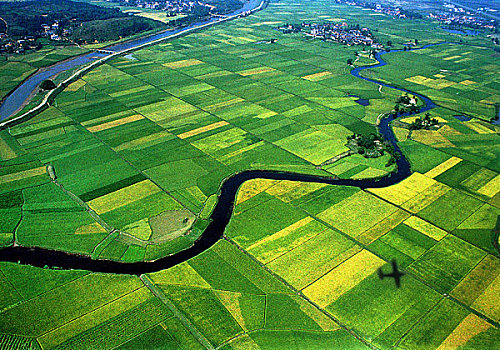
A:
90, 311
301, 295
157, 292
50, 96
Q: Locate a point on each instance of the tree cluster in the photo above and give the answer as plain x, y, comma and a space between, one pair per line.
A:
425, 123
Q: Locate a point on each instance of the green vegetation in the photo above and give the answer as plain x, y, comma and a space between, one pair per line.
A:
146, 142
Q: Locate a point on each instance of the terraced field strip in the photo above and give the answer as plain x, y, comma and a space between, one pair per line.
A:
160, 295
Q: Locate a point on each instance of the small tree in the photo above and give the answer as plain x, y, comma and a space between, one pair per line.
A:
47, 85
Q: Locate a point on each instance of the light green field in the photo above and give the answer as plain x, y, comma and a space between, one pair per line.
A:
146, 143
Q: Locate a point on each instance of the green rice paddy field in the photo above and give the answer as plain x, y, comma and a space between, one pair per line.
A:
143, 140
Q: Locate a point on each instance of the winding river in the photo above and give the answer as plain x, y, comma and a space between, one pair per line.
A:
222, 212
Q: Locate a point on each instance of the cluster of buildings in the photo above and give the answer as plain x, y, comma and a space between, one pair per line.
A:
7, 45
52, 31
456, 15
338, 32
380, 8
171, 7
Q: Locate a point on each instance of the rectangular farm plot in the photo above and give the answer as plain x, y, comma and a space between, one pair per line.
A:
123, 196
379, 311
477, 228
115, 123
441, 168
426, 197
183, 63
478, 281
203, 129
403, 243
405, 190
316, 146
166, 110
65, 303
451, 209
445, 264
258, 222
310, 260
343, 278
491, 188
357, 213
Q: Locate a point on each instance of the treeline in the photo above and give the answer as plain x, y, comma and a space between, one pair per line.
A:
225, 6
25, 18
113, 29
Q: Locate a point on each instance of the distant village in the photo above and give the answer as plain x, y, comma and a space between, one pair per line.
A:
170, 7
457, 16
342, 33
53, 31
450, 14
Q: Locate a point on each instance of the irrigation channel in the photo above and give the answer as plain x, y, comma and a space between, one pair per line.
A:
222, 212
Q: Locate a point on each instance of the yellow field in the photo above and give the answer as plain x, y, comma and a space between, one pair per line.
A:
447, 130
441, 168
431, 138
123, 196
255, 71
343, 278
451, 57
405, 190
231, 301
410, 120
467, 82
90, 228
425, 227
76, 85
429, 82
382, 227
491, 188
22, 174
426, 197
479, 127
476, 282
252, 188
357, 213
317, 76
167, 109
115, 123
287, 191
470, 326
401, 134
202, 129
139, 229
183, 63
487, 302
267, 250
181, 274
